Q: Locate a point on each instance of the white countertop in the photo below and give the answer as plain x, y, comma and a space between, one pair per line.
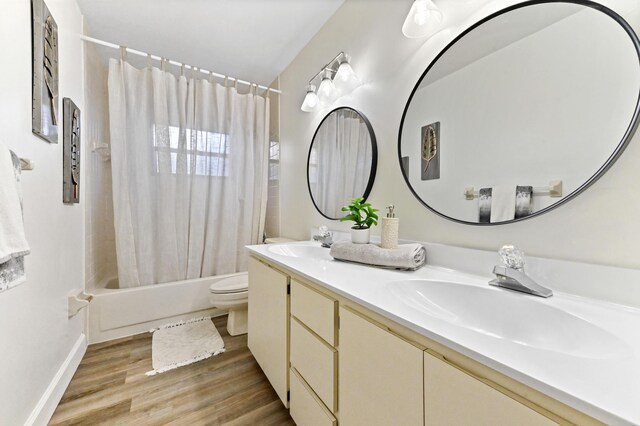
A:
606, 387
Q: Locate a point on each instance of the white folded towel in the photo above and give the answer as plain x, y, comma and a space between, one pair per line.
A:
13, 243
503, 203
405, 256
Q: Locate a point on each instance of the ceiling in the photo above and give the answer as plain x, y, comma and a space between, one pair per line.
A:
252, 40
497, 34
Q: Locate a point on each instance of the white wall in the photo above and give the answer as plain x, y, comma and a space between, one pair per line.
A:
101, 262
601, 225
35, 333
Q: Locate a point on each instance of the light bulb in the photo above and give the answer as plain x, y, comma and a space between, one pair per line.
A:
422, 13
423, 19
327, 92
310, 100
346, 79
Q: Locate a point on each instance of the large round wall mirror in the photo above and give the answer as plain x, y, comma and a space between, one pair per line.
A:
521, 112
342, 161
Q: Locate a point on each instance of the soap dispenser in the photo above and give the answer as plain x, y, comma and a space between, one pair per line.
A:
390, 229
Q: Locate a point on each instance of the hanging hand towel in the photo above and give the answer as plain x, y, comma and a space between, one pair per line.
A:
407, 257
524, 198
484, 205
13, 244
503, 203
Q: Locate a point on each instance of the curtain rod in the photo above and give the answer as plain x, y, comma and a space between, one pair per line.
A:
172, 62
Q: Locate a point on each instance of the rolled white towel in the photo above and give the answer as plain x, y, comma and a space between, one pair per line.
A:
405, 256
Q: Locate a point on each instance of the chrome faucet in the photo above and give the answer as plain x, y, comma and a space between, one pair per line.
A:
511, 275
325, 237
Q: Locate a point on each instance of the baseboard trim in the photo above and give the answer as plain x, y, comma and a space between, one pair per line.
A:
45, 408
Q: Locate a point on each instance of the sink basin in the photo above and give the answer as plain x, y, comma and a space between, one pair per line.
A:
305, 250
503, 314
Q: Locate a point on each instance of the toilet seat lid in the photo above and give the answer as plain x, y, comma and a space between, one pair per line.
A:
229, 286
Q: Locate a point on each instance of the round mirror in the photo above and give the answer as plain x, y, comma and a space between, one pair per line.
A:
521, 112
342, 161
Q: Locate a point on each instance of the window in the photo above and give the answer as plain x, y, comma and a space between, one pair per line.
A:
203, 154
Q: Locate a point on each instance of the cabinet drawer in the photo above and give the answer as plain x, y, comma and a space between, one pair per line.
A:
454, 397
315, 310
316, 363
306, 408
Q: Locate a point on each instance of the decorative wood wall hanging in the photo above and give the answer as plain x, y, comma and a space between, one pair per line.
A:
44, 37
430, 151
71, 146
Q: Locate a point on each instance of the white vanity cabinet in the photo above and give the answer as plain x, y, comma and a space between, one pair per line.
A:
380, 377
268, 323
334, 362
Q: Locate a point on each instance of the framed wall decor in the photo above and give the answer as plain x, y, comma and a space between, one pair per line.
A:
71, 140
44, 51
430, 151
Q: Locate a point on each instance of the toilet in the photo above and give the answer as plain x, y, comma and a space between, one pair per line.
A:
232, 294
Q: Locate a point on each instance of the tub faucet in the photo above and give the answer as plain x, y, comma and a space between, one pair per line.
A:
325, 237
511, 275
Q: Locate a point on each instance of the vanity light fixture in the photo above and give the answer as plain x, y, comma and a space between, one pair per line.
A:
310, 100
337, 79
327, 92
346, 79
424, 19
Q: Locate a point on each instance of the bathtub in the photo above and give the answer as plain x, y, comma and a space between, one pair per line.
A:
116, 312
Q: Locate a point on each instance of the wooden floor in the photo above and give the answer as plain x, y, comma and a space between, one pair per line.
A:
110, 388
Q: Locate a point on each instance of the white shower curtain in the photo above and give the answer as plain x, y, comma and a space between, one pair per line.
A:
189, 161
343, 155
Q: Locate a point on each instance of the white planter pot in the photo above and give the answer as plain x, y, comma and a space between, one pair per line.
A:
360, 236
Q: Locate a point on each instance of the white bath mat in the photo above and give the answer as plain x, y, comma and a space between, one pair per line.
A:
183, 343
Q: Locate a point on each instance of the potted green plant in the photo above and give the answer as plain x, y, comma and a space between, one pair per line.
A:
364, 216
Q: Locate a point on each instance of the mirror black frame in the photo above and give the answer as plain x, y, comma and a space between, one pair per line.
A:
374, 157
631, 129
